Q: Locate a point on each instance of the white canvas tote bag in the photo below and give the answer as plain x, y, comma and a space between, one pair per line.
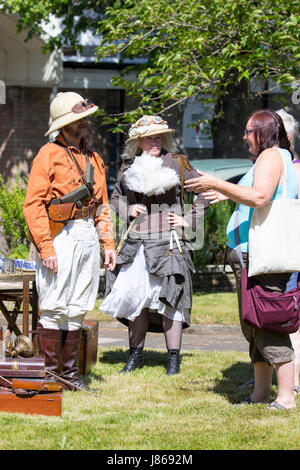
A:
274, 235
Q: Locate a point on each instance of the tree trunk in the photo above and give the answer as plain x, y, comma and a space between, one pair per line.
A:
232, 111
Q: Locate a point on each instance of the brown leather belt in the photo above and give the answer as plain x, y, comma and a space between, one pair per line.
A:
85, 212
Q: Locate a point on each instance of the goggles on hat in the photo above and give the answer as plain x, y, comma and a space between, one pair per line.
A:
149, 121
82, 106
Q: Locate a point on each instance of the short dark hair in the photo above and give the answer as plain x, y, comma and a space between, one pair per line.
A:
269, 130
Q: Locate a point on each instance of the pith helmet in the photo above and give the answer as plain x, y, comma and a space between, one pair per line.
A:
69, 107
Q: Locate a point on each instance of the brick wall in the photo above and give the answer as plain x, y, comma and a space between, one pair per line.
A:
27, 112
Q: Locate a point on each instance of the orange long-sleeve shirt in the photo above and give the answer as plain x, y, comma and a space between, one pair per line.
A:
53, 174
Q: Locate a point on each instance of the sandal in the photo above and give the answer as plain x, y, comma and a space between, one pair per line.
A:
249, 401
276, 406
248, 384
246, 401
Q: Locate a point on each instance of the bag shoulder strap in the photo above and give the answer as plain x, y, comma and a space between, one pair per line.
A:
183, 164
284, 182
70, 154
181, 181
79, 169
237, 236
184, 160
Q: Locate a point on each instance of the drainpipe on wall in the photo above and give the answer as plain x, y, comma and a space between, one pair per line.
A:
53, 94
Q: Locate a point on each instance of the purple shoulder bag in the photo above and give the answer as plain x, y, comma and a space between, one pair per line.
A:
275, 312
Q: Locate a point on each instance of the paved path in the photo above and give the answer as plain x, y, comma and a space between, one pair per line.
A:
200, 337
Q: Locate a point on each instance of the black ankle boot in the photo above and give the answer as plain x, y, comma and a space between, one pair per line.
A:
173, 362
135, 360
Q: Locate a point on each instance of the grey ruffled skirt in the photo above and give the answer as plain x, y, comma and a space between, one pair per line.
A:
146, 276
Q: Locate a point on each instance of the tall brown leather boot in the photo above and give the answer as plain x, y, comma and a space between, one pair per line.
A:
47, 344
69, 359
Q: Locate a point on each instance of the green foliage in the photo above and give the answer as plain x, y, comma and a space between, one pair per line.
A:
74, 17
12, 196
215, 239
190, 47
20, 251
199, 47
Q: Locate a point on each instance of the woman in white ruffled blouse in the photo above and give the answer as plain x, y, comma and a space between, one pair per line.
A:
151, 288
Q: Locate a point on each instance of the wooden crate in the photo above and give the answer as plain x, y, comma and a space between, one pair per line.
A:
88, 346
48, 404
22, 367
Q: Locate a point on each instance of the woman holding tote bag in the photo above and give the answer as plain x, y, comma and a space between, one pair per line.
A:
292, 129
268, 143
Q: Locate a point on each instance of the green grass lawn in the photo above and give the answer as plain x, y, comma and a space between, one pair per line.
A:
215, 308
219, 308
149, 410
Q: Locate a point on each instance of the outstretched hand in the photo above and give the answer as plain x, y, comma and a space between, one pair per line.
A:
214, 196
205, 182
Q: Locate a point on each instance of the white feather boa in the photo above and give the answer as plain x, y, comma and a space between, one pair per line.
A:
147, 175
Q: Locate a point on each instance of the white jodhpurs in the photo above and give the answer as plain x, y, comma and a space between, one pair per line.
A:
65, 297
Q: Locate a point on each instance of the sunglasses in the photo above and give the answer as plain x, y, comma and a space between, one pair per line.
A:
82, 106
248, 132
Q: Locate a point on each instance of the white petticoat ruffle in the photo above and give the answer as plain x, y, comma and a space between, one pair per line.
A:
134, 289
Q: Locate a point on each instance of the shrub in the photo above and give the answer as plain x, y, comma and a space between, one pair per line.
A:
215, 222
12, 196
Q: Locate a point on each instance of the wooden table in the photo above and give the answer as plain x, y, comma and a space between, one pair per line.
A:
21, 294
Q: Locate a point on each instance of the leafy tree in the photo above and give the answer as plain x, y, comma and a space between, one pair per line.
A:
202, 47
191, 46
74, 17
207, 48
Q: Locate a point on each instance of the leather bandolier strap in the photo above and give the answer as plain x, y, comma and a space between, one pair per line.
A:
85, 212
60, 214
